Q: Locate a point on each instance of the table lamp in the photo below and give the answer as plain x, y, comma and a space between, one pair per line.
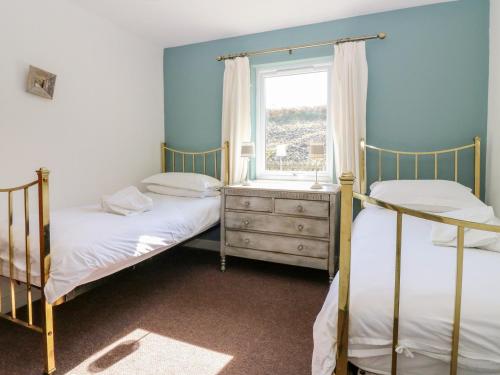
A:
281, 153
316, 153
247, 151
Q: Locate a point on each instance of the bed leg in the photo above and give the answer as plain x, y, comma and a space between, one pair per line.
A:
48, 339
222, 263
346, 181
44, 227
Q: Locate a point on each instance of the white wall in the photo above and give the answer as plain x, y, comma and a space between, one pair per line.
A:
103, 129
493, 157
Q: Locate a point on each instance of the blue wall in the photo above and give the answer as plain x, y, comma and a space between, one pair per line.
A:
428, 81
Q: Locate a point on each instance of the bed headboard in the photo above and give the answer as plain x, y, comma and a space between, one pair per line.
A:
206, 162
417, 156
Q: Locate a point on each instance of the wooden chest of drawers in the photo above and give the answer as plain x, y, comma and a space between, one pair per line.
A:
281, 222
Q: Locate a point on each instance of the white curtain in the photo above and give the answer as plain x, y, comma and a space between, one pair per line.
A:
236, 126
349, 85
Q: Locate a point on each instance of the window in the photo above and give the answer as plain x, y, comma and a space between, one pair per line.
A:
293, 113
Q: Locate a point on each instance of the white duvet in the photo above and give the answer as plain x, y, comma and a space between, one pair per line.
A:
427, 303
88, 243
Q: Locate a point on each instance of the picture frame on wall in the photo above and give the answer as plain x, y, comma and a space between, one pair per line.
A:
41, 82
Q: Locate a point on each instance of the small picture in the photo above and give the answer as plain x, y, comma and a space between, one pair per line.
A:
41, 83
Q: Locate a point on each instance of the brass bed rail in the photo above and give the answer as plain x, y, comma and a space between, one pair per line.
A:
188, 161
347, 198
417, 156
46, 327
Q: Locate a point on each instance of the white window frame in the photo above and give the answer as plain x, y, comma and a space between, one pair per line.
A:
288, 68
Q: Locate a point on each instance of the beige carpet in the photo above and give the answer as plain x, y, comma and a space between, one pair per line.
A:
179, 315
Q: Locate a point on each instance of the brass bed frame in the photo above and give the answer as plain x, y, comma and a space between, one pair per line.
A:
347, 198
46, 328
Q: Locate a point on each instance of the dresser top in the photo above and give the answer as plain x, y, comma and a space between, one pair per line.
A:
292, 186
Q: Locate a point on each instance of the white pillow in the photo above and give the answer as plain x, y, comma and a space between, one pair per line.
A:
425, 195
189, 181
446, 235
165, 190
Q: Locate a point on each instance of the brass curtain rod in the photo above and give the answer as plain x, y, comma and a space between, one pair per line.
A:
302, 46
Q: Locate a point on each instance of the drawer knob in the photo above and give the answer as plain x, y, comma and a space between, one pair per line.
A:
300, 247
300, 208
247, 203
300, 227
247, 240
246, 222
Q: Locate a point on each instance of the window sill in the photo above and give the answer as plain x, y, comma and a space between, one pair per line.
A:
288, 177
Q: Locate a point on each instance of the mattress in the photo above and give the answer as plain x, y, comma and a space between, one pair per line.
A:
88, 244
426, 304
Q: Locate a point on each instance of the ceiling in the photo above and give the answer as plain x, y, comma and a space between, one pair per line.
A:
170, 23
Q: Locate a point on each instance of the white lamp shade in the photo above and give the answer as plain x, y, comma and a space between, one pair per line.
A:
281, 150
316, 151
247, 149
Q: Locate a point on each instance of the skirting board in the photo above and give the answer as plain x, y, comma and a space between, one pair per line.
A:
200, 243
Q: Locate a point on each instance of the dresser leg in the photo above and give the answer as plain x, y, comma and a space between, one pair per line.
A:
222, 263
330, 279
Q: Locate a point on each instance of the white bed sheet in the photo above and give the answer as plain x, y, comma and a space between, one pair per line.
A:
88, 244
426, 305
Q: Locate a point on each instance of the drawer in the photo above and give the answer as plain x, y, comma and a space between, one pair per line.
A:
279, 244
277, 224
301, 207
236, 202
268, 256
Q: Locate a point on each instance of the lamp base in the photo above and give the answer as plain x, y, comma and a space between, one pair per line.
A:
246, 181
316, 186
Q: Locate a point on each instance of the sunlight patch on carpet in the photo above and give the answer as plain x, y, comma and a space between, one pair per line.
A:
146, 353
